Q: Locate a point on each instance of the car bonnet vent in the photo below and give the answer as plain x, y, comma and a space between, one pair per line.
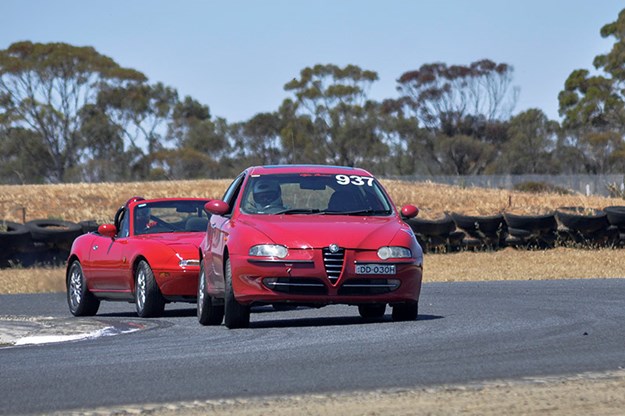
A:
333, 258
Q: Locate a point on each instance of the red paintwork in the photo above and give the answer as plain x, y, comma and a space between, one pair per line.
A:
109, 262
409, 211
233, 234
217, 207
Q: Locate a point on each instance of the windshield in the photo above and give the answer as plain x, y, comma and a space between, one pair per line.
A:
328, 194
170, 216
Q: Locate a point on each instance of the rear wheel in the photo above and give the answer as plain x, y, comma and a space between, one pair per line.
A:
236, 315
405, 311
149, 301
374, 311
81, 302
207, 312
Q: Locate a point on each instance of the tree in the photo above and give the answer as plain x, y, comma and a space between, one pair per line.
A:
45, 86
532, 139
257, 141
443, 97
344, 120
593, 105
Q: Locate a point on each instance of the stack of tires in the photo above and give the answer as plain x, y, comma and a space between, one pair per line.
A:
435, 235
586, 227
38, 242
481, 232
531, 231
616, 218
14, 239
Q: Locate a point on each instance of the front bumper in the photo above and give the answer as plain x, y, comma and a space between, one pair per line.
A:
308, 282
178, 281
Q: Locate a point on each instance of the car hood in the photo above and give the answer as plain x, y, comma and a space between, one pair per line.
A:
317, 231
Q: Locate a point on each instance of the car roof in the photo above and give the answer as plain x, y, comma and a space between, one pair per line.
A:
327, 169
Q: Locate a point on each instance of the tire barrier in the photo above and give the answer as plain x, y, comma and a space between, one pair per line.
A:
482, 232
581, 226
531, 231
564, 227
48, 242
41, 242
434, 235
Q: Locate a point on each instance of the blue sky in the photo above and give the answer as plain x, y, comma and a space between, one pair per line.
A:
235, 56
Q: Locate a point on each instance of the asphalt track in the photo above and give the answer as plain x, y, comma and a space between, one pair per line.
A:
466, 332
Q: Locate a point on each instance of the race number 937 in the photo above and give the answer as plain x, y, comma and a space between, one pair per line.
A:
354, 180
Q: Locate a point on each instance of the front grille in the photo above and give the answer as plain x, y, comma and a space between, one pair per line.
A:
333, 263
296, 286
368, 286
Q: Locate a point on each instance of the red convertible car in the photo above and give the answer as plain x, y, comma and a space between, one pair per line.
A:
149, 256
307, 235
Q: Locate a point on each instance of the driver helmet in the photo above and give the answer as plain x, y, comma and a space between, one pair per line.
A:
142, 216
267, 193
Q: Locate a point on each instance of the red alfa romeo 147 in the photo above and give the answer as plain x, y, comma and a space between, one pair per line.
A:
307, 235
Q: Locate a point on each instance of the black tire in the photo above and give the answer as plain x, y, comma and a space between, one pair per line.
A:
80, 300
532, 223
616, 215
372, 311
208, 312
583, 220
437, 227
408, 311
235, 314
149, 301
519, 232
13, 237
480, 226
88, 226
54, 231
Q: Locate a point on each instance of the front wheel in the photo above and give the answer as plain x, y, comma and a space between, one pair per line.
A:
81, 302
406, 311
236, 315
374, 311
149, 301
208, 313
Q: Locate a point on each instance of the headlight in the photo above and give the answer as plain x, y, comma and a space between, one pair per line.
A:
269, 250
394, 253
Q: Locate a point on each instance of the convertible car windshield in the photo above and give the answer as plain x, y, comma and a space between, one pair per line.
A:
327, 194
170, 216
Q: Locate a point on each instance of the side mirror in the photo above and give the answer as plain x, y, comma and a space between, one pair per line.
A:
409, 211
107, 230
216, 207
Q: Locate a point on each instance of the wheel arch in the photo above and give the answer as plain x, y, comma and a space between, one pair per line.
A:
70, 262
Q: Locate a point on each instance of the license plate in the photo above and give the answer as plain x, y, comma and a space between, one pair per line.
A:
375, 269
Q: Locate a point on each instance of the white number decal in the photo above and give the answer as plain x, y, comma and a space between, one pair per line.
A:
342, 179
354, 180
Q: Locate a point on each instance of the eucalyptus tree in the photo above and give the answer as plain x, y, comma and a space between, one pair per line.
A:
201, 146
45, 86
465, 107
257, 141
444, 97
593, 106
532, 140
344, 124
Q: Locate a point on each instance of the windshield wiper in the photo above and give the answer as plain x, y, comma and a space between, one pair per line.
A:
361, 212
299, 211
